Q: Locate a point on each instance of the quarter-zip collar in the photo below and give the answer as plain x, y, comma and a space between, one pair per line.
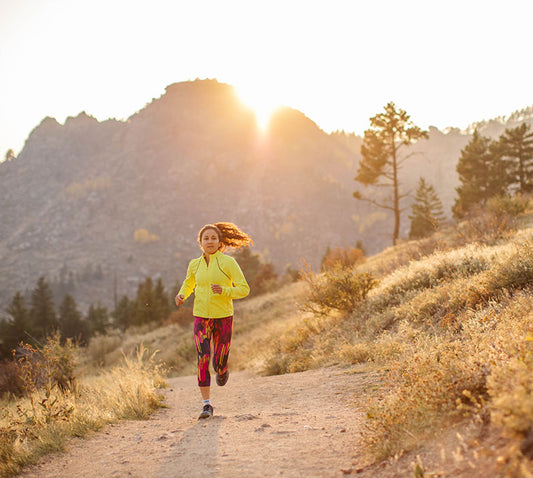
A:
215, 256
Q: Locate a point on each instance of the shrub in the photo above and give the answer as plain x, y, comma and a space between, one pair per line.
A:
504, 333
10, 380
181, 316
507, 205
339, 289
342, 257
53, 365
494, 221
101, 346
45, 374
426, 388
144, 236
515, 271
265, 281
432, 271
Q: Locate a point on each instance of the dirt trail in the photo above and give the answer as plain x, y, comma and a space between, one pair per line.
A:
295, 425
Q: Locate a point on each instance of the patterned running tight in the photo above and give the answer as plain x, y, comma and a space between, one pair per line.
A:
218, 330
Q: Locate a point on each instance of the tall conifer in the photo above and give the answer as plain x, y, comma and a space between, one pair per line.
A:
71, 323
98, 319
382, 150
124, 313
427, 211
17, 328
481, 172
517, 150
42, 313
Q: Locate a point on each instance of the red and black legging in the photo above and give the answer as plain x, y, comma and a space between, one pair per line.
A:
218, 330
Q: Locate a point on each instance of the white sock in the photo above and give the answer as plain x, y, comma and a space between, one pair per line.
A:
207, 402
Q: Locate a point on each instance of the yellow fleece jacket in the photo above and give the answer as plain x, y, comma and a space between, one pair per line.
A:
222, 270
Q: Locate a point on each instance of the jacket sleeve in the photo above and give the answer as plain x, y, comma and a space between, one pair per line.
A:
240, 287
190, 281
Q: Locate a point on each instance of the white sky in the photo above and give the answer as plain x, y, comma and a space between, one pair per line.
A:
448, 63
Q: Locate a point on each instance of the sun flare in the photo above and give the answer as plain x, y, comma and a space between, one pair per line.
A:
263, 103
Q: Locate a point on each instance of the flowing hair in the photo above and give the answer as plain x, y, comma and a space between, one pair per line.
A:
229, 235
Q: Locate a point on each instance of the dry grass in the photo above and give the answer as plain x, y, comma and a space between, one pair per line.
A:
450, 322
173, 343
43, 421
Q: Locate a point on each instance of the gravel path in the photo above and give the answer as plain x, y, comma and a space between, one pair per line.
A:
295, 425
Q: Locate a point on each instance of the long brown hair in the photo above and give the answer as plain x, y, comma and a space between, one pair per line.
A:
229, 235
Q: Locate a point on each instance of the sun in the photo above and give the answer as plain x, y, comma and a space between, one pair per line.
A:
261, 101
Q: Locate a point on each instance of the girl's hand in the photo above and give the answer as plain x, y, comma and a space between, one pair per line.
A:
180, 299
216, 289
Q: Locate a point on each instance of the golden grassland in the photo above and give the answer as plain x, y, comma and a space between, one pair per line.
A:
48, 416
447, 326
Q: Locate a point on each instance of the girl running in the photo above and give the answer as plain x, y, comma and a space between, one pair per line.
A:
216, 280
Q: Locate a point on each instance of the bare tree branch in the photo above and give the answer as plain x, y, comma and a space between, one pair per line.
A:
372, 201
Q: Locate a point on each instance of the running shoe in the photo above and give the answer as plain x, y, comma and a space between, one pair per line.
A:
222, 378
207, 411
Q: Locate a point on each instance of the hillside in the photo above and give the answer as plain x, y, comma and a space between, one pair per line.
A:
430, 374
106, 204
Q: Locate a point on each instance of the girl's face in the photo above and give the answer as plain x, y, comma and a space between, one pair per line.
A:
210, 242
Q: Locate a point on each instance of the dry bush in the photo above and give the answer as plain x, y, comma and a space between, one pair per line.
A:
10, 380
344, 257
101, 346
181, 316
392, 258
507, 205
494, 221
502, 337
435, 269
429, 292
514, 271
265, 281
512, 391
144, 236
260, 322
425, 389
336, 289
52, 365
501, 269
305, 345
382, 350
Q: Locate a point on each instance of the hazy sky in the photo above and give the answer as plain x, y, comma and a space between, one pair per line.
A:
448, 63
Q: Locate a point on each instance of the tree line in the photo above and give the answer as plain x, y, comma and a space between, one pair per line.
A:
34, 320
486, 168
31, 318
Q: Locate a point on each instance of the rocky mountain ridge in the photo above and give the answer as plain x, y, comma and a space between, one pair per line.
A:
127, 198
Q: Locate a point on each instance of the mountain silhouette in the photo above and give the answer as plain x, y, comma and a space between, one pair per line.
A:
127, 198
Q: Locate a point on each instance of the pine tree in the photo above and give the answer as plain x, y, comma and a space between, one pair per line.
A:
124, 313
144, 311
481, 172
249, 262
517, 150
10, 155
17, 328
42, 313
161, 301
71, 324
382, 152
98, 319
427, 211
152, 302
